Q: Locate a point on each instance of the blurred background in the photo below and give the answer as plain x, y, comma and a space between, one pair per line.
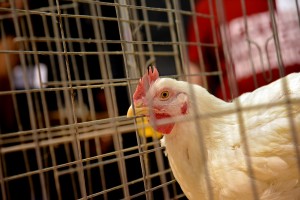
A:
68, 69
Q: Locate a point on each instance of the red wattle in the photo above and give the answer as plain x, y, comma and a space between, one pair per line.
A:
164, 128
184, 108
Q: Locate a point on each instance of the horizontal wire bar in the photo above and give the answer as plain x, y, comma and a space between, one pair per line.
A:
179, 196
115, 122
153, 188
120, 186
58, 167
186, 12
90, 84
43, 10
157, 53
114, 160
62, 15
89, 41
112, 120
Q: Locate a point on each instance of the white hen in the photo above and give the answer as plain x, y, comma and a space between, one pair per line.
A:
205, 143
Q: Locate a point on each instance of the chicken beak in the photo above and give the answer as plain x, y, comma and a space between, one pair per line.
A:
139, 110
143, 127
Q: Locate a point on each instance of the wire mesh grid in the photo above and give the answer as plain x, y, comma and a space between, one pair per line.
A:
70, 139
69, 69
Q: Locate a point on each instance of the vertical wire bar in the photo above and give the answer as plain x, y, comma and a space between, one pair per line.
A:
249, 42
142, 63
199, 44
9, 67
130, 68
2, 175
76, 135
126, 35
31, 109
161, 167
101, 168
2, 182
148, 34
5, 174
24, 152
58, 96
43, 98
66, 94
105, 61
85, 64
290, 114
181, 38
298, 11
88, 170
31, 63
53, 65
158, 154
276, 38
69, 159
151, 60
110, 98
175, 50
105, 65
203, 147
239, 111
11, 82
91, 106
284, 84
98, 12
36, 63
80, 96
61, 64
243, 4
138, 35
213, 22
2, 158
173, 38
58, 100
226, 47
22, 139
74, 66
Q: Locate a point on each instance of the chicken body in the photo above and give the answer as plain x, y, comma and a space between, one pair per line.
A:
211, 144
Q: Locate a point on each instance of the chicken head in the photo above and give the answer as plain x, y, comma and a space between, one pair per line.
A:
161, 100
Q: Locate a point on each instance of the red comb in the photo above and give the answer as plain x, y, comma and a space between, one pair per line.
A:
145, 83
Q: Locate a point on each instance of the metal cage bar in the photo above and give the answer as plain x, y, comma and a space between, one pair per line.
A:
70, 138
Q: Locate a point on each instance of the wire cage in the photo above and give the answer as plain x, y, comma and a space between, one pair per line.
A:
68, 71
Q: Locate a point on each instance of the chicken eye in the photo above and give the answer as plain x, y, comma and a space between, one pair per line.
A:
164, 95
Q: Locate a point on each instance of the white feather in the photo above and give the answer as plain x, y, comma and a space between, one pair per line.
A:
260, 135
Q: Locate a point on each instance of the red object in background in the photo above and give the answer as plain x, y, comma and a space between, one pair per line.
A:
259, 32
